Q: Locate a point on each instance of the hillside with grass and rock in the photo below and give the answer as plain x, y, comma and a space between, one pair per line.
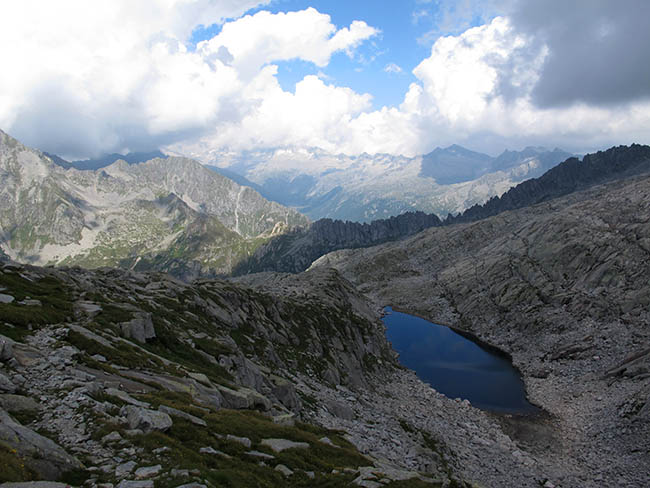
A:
111, 377
114, 377
165, 214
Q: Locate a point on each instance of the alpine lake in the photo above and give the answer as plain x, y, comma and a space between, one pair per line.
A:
457, 366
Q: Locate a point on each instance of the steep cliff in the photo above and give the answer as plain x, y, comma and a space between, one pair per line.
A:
295, 251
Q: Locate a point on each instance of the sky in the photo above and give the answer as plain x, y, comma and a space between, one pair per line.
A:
207, 77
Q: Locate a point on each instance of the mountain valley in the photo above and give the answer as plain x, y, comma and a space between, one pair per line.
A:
114, 374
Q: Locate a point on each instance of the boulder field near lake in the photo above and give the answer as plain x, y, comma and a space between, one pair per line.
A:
562, 287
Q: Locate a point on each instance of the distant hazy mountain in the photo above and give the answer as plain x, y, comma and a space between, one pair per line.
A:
369, 187
169, 214
106, 160
454, 164
295, 251
567, 177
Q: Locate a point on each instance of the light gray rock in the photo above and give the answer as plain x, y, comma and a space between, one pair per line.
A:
279, 445
243, 398
6, 385
6, 348
192, 485
364, 483
125, 397
201, 378
341, 410
285, 391
90, 308
147, 471
261, 455
43, 455
136, 484
145, 419
184, 415
245, 441
18, 403
6, 298
140, 328
112, 437
284, 470
125, 469
35, 484
288, 419
326, 440
208, 450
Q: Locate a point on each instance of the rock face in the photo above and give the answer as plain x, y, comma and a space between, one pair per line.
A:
41, 454
145, 419
168, 214
295, 251
562, 286
140, 328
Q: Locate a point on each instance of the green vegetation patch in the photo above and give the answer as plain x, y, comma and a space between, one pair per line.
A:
122, 354
111, 315
239, 469
168, 345
56, 305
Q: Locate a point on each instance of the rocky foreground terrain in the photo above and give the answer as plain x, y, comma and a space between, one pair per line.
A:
116, 378
561, 286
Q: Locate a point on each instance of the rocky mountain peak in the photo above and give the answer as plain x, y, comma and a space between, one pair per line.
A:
125, 214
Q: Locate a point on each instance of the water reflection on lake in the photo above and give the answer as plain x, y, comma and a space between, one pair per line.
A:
456, 366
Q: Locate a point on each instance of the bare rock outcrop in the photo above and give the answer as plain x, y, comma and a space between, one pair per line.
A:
41, 454
561, 286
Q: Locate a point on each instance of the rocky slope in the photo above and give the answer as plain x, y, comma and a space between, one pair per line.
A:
137, 379
169, 214
295, 251
567, 177
112, 376
370, 187
563, 287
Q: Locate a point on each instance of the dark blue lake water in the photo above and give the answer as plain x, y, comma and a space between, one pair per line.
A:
456, 366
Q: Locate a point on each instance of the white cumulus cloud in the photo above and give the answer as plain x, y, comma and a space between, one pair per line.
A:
92, 77
81, 78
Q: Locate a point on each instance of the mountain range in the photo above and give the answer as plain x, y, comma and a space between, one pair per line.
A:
173, 214
137, 379
370, 187
169, 213
294, 251
105, 160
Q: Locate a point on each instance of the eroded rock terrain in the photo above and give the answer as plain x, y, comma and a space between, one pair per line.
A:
563, 287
